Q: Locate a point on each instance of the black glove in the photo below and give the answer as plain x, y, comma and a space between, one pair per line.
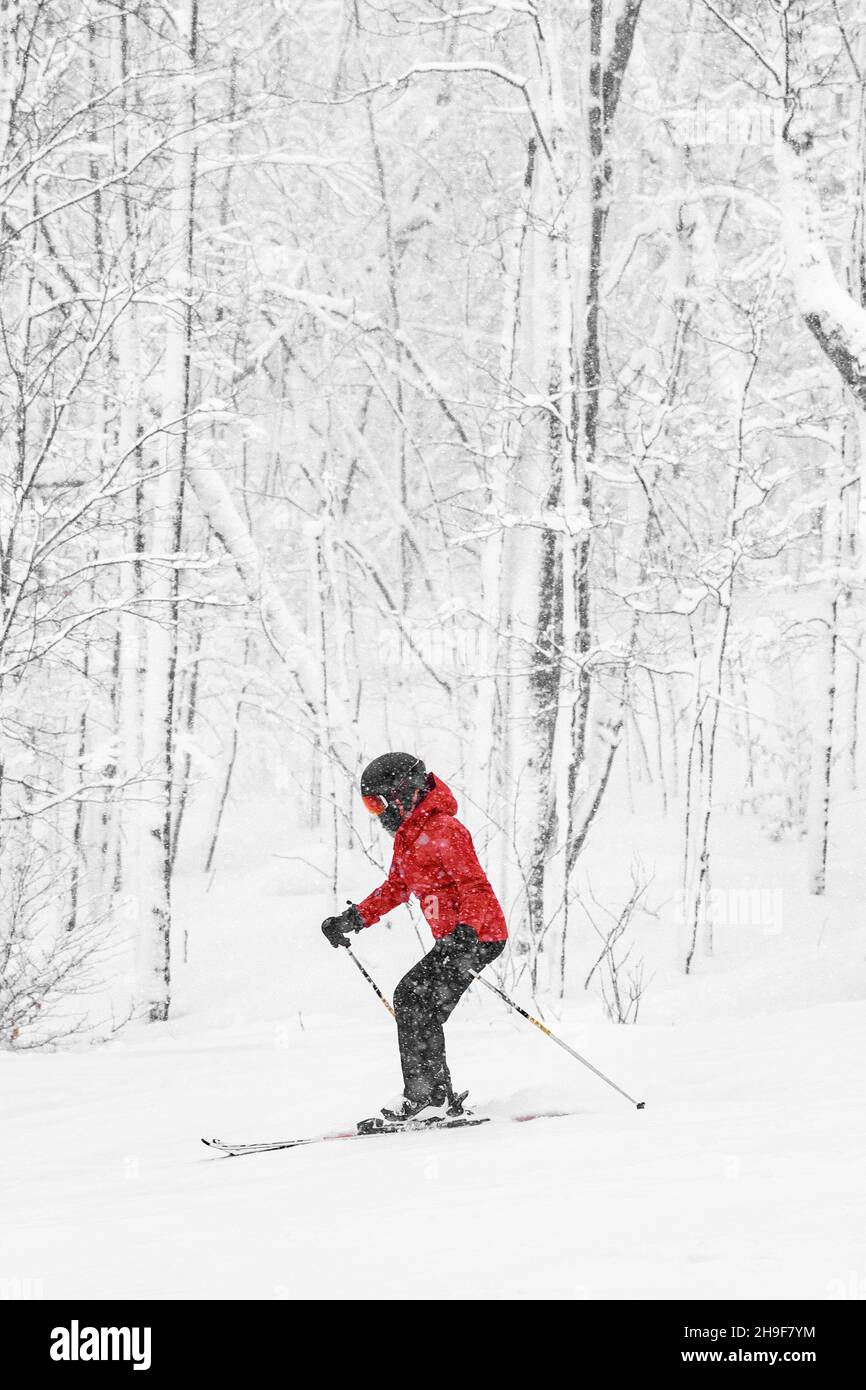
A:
336, 929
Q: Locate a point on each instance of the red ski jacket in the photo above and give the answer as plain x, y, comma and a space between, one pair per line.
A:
434, 859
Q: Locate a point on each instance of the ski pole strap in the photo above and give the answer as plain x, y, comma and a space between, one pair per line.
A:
553, 1038
370, 980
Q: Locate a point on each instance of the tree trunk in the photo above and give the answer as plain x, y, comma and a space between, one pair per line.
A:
164, 503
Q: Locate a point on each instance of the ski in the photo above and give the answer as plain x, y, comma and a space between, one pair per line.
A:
235, 1150
456, 1122
377, 1126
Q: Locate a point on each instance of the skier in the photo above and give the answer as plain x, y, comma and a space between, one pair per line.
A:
434, 859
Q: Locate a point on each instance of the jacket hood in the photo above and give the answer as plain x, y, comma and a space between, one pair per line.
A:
439, 798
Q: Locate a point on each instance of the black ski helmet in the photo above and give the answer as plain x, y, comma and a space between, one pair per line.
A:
388, 785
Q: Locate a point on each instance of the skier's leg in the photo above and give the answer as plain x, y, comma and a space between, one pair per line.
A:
464, 955
425, 999
419, 1031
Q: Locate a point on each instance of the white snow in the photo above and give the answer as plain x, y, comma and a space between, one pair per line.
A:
743, 1176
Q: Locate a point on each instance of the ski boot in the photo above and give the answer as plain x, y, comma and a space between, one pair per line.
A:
412, 1113
456, 1108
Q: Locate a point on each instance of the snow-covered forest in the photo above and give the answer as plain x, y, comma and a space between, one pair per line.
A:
484, 380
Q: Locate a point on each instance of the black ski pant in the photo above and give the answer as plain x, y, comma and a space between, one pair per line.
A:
425, 999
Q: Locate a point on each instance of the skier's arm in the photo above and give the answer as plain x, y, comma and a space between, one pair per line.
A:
391, 893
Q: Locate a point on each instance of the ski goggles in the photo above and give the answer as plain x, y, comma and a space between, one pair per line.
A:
374, 804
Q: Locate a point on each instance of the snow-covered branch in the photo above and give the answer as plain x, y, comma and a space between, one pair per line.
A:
833, 316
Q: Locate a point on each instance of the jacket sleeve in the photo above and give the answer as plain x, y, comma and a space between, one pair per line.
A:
390, 894
460, 863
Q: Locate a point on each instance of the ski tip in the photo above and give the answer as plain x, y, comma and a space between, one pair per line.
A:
641, 1105
220, 1147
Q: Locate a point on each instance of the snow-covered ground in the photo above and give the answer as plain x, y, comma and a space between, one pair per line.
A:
743, 1176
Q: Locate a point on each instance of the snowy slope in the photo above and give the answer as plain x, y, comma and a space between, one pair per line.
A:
743, 1177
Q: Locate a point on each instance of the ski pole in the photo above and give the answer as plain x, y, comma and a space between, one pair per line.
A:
370, 980
641, 1104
